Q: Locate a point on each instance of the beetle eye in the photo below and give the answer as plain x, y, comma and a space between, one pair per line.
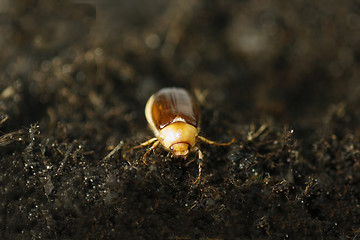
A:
171, 148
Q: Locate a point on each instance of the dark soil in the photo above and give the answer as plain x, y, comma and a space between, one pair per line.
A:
282, 77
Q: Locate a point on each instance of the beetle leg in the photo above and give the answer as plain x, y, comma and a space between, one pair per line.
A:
200, 165
148, 142
155, 144
205, 140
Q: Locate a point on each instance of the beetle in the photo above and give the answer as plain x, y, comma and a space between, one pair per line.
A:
173, 117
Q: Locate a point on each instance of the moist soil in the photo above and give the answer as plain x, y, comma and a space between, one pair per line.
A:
282, 78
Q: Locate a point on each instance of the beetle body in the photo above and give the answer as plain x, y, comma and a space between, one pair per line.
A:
173, 116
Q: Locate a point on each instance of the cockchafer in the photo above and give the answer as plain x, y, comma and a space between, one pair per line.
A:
173, 116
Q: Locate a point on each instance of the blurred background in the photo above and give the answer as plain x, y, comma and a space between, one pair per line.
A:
288, 60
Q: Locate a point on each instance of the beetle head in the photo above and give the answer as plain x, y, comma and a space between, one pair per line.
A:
180, 149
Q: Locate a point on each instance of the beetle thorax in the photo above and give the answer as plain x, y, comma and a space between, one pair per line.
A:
178, 137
